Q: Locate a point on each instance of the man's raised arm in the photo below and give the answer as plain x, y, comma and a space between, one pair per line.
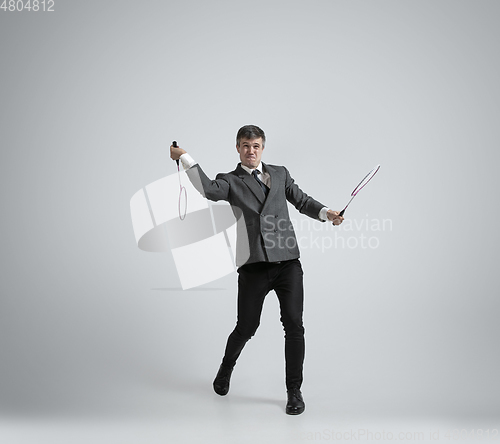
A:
211, 189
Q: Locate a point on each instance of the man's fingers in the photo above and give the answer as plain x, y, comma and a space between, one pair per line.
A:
335, 217
173, 154
176, 152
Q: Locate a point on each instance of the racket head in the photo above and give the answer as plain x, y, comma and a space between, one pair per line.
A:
365, 180
182, 203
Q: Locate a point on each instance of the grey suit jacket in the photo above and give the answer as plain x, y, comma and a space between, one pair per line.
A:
265, 232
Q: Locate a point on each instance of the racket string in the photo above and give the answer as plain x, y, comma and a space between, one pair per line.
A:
182, 193
361, 185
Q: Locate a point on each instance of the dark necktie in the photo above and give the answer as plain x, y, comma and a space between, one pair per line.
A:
262, 185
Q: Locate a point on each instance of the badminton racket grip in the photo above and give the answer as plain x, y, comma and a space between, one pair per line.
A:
174, 144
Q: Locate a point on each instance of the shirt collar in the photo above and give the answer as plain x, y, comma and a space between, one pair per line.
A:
250, 171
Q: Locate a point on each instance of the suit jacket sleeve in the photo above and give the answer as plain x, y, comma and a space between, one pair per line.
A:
215, 190
300, 200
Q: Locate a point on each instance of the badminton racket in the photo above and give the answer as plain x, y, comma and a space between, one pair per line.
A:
360, 186
182, 193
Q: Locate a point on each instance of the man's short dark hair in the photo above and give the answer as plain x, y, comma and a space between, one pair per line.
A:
250, 132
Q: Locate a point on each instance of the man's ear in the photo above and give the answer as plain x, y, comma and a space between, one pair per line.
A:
237, 148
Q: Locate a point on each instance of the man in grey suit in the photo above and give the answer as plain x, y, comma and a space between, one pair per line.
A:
271, 262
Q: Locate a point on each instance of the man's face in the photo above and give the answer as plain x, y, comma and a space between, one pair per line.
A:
250, 152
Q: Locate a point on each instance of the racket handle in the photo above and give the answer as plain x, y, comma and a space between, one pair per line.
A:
174, 143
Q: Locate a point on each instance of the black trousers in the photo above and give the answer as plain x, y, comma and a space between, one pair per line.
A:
255, 281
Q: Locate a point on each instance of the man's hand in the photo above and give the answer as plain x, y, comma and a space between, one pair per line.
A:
176, 152
334, 217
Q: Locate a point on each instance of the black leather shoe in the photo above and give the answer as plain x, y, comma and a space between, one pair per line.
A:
221, 381
295, 404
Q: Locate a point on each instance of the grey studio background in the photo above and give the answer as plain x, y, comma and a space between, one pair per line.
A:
97, 341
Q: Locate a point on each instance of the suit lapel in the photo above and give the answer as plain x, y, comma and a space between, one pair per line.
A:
251, 183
